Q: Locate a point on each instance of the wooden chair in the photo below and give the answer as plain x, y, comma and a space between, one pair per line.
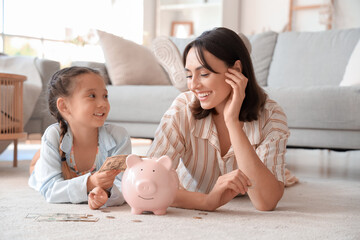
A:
11, 106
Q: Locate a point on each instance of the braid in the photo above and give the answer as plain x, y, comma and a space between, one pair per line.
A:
63, 130
64, 166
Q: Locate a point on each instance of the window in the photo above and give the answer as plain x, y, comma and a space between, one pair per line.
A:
65, 30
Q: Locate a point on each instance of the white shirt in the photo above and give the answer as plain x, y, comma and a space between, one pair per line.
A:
47, 175
194, 147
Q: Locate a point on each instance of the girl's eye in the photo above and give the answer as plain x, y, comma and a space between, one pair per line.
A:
92, 95
106, 96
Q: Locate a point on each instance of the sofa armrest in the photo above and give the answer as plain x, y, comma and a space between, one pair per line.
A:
41, 118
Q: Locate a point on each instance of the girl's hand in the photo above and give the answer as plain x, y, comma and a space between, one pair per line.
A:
238, 83
97, 198
103, 180
226, 188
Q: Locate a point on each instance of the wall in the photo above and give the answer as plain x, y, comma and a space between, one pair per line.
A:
255, 16
262, 15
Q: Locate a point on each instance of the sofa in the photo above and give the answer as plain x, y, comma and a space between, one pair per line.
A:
38, 71
302, 71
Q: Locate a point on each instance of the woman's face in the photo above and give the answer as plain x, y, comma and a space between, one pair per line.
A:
209, 87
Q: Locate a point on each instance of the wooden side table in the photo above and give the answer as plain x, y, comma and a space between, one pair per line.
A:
11, 106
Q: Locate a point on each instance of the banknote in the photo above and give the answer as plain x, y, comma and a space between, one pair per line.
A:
117, 162
62, 217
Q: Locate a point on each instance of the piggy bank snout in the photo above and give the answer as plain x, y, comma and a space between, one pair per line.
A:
145, 187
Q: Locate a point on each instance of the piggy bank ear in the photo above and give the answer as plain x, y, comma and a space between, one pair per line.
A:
132, 159
165, 161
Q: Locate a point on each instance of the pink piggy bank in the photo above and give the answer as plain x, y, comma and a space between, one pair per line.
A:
149, 184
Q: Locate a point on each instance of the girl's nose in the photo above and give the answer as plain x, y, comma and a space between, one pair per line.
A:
102, 102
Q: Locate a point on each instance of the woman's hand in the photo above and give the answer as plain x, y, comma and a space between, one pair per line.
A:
97, 198
226, 188
238, 83
103, 180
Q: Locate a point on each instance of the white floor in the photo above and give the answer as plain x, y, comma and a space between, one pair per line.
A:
318, 163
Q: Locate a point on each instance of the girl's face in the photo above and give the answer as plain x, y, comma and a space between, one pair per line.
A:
88, 105
209, 87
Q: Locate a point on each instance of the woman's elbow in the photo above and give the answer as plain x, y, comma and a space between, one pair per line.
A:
269, 204
266, 206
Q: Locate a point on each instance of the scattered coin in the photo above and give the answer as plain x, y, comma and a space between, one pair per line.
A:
136, 220
89, 215
111, 217
104, 210
203, 213
197, 217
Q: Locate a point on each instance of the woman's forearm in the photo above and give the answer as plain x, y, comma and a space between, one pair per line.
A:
190, 200
266, 190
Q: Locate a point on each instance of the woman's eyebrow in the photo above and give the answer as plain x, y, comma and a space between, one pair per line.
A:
196, 69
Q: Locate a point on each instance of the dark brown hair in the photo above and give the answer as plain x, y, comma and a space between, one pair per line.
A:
62, 85
227, 46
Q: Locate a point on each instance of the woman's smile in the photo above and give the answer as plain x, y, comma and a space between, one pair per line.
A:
202, 96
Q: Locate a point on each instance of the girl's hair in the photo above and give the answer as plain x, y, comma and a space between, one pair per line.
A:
227, 46
62, 84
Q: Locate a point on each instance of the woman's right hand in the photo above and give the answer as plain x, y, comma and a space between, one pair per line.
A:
104, 180
226, 188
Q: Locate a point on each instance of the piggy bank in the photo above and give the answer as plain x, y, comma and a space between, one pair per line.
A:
149, 184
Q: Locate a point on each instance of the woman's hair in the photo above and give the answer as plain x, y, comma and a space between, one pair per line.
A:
227, 46
62, 84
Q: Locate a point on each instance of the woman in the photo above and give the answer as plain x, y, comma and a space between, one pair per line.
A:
225, 136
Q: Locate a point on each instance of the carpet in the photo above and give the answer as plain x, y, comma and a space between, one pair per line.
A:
313, 209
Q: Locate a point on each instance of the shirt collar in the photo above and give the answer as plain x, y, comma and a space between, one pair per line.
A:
205, 128
106, 141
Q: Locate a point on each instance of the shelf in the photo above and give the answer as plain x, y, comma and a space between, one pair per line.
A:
189, 6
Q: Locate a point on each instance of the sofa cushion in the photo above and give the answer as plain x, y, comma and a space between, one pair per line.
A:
263, 46
129, 63
352, 71
311, 58
141, 104
324, 107
169, 57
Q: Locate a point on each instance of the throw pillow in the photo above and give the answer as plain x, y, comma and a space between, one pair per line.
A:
352, 70
129, 63
170, 58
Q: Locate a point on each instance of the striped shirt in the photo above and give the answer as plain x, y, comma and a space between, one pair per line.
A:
194, 147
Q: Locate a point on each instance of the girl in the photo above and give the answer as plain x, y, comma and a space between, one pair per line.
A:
73, 149
225, 136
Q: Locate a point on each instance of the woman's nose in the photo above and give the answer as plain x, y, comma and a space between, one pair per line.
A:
194, 83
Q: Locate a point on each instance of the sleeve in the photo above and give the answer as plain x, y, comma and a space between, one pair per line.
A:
170, 137
272, 147
47, 175
123, 146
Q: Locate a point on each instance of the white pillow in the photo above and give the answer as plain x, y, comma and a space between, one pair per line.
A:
352, 71
129, 63
170, 58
